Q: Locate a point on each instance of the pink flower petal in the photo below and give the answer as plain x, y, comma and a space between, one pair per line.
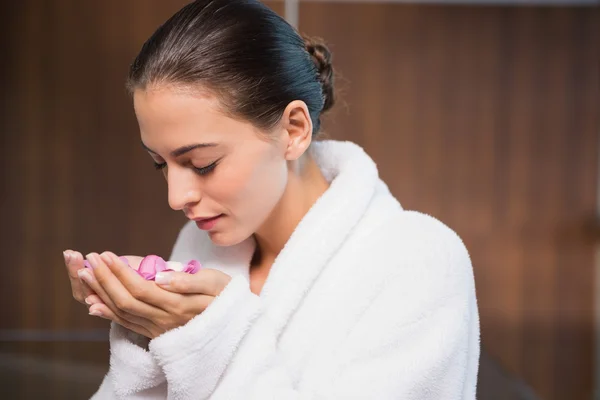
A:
160, 265
192, 267
152, 264
148, 266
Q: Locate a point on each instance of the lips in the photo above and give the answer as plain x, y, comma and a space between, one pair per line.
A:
205, 219
207, 224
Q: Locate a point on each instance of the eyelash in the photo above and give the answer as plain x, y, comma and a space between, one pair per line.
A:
200, 171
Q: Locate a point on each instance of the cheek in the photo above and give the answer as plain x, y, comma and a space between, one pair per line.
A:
251, 192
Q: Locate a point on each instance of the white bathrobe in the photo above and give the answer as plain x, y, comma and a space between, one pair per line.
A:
366, 301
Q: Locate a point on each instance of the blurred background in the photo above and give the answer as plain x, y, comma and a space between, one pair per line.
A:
483, 114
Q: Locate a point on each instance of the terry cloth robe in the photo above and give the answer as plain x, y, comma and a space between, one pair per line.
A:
365, 301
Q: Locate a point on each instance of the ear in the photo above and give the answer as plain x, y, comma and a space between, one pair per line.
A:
296, 121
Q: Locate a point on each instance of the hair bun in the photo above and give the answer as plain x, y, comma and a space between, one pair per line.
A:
321, 56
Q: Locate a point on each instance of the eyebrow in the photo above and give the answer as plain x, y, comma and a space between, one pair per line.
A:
182, 150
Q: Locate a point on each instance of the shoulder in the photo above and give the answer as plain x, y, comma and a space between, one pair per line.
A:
416, 233
421, 265
434, 257
404, 236
427, 238
415, 249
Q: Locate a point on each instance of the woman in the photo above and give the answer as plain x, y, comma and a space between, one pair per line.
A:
315, 282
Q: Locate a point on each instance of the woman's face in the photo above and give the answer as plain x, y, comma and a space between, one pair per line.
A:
215, 166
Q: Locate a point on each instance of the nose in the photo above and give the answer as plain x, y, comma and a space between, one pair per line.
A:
183, 190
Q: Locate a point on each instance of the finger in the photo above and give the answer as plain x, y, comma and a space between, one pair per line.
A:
102, 311
86, 291
117, 294
89, 277
73, 265
208, 282
93, 299
141, 289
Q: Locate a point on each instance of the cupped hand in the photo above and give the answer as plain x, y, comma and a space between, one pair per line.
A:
149, 308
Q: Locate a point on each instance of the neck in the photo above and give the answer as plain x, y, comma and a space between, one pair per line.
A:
305, 185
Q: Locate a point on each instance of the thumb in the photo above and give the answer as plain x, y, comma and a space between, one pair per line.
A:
206, 281
178, 282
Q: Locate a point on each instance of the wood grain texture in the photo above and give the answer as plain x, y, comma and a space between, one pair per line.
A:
487, 118
73, 172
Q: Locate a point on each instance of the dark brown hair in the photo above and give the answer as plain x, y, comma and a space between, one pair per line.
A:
245, 53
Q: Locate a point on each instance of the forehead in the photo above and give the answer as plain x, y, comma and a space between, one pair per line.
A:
171, 117
170, 104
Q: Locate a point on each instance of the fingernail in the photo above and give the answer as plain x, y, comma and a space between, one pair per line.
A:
87, 301
96, 313
85, 276
93, 259
163, 278
67, 256
106, 258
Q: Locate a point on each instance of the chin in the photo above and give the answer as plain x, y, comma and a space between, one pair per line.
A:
225, 239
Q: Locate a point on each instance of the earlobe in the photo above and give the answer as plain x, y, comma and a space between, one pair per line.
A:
299, 128
296, 147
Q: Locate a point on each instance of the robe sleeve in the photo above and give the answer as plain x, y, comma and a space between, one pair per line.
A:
133, 372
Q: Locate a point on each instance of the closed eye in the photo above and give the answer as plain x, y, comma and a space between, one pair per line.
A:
206, 170
201, 171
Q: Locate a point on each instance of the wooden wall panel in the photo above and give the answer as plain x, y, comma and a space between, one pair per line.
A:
487, 118
73, 173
